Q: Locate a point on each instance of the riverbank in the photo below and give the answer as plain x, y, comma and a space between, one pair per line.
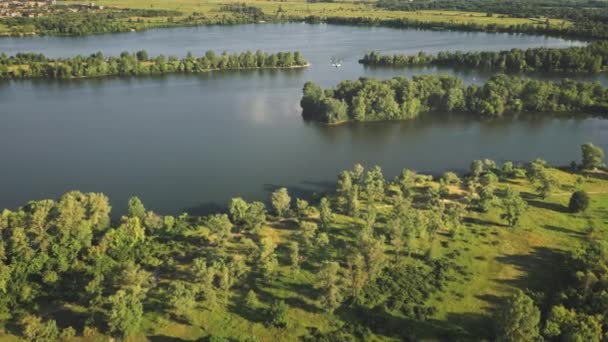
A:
219, 13
442, 256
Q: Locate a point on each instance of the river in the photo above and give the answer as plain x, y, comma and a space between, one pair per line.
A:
191, 142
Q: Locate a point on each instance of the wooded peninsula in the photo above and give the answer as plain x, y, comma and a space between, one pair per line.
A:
591, 59
30, 65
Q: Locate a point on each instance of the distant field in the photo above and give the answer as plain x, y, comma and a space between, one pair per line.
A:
303, 9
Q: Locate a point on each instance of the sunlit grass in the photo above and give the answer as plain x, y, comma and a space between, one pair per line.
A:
337, 9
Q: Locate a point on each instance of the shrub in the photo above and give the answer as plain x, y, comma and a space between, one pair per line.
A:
579, 201
277, 314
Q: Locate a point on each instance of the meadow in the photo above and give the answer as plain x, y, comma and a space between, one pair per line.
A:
303, 9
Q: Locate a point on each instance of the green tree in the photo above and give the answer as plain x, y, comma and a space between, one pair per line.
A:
325, 214
221, 226
327, 283
568, 325
278, 314
374, 185
546, 184
513, 207
343, 189
136, 208
126, 313
357, 275
308, 231
302, 208
251, 300
294, 255
281, 201
518, 319
33, 329
593, 156
579, 201
238, 210
182, 298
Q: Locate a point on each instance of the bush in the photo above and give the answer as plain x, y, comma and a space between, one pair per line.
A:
277, 314
579, 201
451, 178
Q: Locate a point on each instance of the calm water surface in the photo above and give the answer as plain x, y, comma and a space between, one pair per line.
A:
194, 141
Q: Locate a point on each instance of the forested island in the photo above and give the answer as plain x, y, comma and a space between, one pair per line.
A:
400, 98
590, 59
31, 65
376, 259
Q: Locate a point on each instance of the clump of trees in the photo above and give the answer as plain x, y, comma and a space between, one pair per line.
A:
30, 65
590, 58
401, 98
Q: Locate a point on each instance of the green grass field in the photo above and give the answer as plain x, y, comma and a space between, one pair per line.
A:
338, 9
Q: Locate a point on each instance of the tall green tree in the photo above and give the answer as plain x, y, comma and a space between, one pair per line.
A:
593, 156
327, 282
281, 201
518, 319
126, 313
326, 215
136, 208
513, 206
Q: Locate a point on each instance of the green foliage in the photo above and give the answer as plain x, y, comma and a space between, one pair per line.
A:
593, 156
136, 208
518, 319
35, 330
513, 207
328, 283
281, 201
182, 298
325, 213
400, 98
579, 201
29, 65
405, 258
277, 314
247, 216
126, 312
251, 300
568, 325
574, 59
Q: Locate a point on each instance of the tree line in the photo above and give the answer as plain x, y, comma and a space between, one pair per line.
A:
399, 98
69, 253
592, 58
31, 65
62, 22
578, 29
589, 17
588, 24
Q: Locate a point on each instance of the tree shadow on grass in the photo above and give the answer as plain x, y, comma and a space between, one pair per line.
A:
481, 222
542, 270
256, 315
548, 205
468, 326
563, 230
163, 338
